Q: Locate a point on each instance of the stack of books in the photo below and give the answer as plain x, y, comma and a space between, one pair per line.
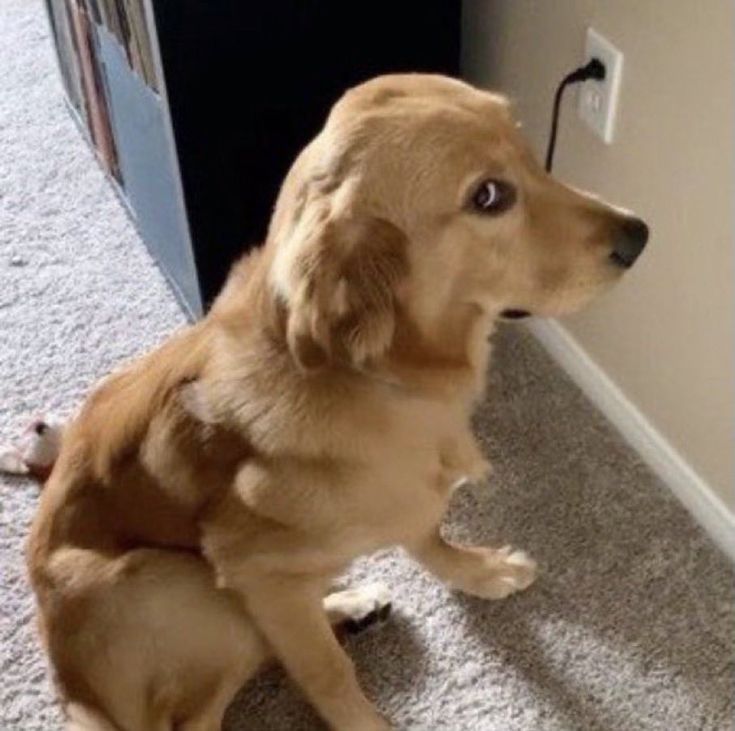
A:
76, 25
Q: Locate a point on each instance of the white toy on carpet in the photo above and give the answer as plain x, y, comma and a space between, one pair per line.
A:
36, 450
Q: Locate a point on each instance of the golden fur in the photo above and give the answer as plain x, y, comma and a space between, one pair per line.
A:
207, 494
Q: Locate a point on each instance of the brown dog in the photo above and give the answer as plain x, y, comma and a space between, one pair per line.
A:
207, 495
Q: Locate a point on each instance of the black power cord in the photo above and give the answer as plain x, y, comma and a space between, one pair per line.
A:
594, 69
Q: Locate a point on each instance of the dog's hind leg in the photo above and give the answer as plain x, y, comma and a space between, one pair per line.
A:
162, 649
349, 611
83, 718
210, 716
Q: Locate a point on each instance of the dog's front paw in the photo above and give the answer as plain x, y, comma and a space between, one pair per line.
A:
500, 573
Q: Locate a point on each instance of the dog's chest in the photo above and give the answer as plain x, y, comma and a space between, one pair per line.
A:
402, 487
353, 475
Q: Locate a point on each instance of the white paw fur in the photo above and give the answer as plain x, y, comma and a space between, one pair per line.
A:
502, 572
361, 605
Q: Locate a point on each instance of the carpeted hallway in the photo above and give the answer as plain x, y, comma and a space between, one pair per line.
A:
631, 626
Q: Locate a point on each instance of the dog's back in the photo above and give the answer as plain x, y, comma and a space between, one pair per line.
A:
113, 552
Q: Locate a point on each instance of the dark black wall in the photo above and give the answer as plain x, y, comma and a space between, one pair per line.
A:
250, 83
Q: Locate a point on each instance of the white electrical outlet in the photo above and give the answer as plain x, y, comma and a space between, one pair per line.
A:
598, 100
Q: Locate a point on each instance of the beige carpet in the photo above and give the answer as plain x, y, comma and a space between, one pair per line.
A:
631, 626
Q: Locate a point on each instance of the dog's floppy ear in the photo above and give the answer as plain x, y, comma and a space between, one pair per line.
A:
342, 294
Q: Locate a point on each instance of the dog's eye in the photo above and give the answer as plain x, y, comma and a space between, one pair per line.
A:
493, 196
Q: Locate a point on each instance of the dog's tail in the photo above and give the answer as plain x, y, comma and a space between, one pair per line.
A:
83, 718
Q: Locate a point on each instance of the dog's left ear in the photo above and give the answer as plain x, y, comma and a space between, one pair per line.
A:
342, 304
371, 273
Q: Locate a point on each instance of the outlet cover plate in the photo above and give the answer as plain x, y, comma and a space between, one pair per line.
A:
598, 100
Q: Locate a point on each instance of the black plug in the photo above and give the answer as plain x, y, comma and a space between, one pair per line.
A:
593, 69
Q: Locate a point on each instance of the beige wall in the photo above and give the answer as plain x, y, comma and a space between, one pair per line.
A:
666, 335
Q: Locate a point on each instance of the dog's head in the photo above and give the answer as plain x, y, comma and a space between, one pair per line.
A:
419, 198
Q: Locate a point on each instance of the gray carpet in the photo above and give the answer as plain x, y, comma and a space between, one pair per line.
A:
631, 625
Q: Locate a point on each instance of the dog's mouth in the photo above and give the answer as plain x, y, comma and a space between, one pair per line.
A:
513, 314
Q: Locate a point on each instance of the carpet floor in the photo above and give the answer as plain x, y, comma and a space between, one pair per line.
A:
631, 626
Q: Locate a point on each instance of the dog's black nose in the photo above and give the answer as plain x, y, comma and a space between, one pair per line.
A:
628, 242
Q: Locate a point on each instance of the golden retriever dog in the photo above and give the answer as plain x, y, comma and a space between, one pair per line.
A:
207, 495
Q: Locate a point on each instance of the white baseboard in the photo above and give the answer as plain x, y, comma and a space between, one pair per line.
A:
654, 449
